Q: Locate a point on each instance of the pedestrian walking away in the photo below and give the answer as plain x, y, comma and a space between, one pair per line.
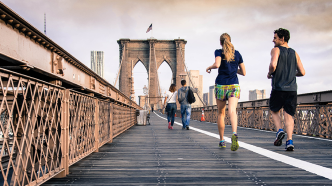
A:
229, 63
285, 65
185, 104
170, 102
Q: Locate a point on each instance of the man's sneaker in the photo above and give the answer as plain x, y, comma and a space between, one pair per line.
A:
222, 144
235, 144
279, 136
289, 145
187, 127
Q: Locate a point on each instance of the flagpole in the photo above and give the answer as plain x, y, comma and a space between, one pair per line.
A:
152, 33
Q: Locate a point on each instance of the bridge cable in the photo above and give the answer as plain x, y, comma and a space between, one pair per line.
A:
117, 76
197, 93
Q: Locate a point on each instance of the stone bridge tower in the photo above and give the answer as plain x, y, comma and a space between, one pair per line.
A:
152, 53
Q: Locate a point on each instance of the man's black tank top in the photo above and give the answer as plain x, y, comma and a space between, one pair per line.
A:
284, 77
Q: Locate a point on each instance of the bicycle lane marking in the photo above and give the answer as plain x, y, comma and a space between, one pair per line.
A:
307, 166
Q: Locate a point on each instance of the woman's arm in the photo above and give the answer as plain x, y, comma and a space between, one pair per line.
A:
242, 69
165, 101
215, 65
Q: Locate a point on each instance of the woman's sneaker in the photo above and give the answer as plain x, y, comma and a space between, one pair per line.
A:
235, 144
169, 125
222, 144
279, 136
289, 145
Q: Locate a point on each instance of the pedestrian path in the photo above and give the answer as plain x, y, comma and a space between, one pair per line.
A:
155, 155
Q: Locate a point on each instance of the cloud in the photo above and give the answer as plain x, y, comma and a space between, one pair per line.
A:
80, 26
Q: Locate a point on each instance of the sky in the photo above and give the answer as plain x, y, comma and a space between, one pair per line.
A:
80, 26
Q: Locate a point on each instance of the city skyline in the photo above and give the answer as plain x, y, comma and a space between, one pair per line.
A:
250, 24
97, 62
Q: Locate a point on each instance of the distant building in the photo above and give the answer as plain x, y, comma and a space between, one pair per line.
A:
97, 62
197, 82
206, 98
256, 94
212, 99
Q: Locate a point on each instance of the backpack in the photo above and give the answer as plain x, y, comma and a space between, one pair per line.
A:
190, 96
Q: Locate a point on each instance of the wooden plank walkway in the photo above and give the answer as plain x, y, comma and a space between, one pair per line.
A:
154, 155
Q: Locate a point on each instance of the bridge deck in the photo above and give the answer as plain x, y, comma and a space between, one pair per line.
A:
154, 155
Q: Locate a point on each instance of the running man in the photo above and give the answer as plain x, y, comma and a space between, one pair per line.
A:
285, 65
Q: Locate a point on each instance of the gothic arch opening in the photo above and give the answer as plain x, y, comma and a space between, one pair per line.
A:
165, 75
140, 75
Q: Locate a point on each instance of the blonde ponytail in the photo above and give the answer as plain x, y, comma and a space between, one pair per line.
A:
228, 48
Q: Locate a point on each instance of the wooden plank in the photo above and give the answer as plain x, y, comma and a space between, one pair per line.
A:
154, 155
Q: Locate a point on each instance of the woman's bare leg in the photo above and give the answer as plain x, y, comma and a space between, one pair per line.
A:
232, 105
221, 118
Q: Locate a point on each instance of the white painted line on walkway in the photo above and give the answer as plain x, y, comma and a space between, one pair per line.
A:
310, 167
303, 136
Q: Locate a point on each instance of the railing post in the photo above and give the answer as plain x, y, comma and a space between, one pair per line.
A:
65, 135
96, 118
111, 123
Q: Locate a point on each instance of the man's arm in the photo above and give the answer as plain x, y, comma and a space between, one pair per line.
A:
300, 69
274, 61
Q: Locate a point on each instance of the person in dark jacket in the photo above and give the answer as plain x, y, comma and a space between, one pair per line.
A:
185, 106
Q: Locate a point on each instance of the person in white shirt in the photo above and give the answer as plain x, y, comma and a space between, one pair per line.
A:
170, 100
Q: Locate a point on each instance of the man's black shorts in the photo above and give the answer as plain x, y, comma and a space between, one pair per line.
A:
285, 99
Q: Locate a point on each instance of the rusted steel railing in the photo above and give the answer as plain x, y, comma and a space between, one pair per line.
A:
45, 128
312, 120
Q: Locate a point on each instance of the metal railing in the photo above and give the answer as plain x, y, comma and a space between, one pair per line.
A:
46, 128
312, 120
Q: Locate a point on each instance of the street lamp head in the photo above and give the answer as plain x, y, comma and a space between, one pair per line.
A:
145, 90
183, 75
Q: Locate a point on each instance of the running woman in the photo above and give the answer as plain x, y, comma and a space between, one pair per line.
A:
229, 63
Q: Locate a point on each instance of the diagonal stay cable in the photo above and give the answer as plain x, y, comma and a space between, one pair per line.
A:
190, 77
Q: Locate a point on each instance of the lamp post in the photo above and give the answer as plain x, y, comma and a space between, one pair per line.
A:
146, 92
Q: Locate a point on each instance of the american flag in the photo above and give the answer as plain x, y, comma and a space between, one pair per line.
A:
150, 28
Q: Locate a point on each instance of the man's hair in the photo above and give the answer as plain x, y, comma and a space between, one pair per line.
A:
283, 33
172, 88
183, 82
